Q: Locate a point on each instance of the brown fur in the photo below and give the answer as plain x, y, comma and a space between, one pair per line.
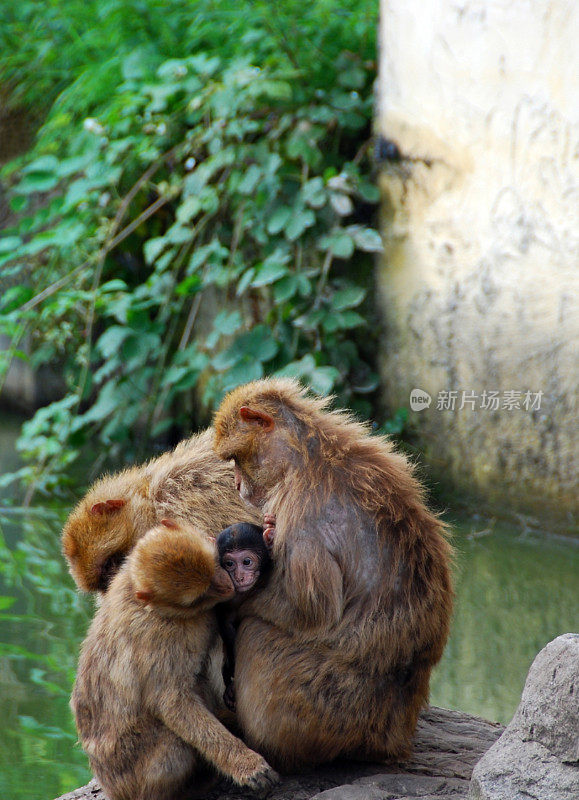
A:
148, 685
189, 483
334, 654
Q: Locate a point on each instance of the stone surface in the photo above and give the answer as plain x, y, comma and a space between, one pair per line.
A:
537, 757
479, 281
447, 746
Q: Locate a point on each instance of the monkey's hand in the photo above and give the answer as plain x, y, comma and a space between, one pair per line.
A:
269, 530
260, 778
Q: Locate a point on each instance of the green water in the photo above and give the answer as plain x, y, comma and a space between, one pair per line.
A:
515, 592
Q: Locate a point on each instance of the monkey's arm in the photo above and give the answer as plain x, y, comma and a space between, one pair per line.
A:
187, 717
314, 584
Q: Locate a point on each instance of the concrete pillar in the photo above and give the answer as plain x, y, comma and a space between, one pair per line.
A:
479, 278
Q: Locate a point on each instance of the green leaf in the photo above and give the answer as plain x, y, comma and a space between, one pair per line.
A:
285, 289
348, 298
19, 204
341, 204
188, 209
179, 234
369, 192
36, 182
369, 240
245, 281
302, 146
323, 379
314, 193
340, 243
139, 346
310, 321
114, 285
109, 343
107, 403
304, 285
342, 320
352, 78
257, 344
268, 273
244, 371
9, 243
299, 221
153, 248
189, 285
297, 369
228, 323
278, 219
44, 165
6, 602
250, 180
14, 297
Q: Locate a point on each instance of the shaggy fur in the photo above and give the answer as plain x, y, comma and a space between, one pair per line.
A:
334, 655
148, 685
189, 483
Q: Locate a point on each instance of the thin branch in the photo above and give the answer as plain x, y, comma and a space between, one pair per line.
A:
323, 278
54, 287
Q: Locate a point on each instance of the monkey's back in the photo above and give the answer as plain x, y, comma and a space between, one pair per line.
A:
193, 483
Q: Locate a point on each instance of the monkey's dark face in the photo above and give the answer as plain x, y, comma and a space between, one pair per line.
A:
244, 568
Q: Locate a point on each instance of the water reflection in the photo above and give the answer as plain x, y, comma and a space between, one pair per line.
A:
514, 594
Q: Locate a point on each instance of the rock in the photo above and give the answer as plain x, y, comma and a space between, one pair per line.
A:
549, 708
538, 754
446, 747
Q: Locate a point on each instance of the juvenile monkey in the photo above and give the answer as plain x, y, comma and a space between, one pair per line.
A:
243, 554
357, 608
189, 483
144, 698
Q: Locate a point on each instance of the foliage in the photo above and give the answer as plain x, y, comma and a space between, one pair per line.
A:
209, 223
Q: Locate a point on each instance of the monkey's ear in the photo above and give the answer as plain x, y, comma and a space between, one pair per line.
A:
107, 507
145, 597
260, 417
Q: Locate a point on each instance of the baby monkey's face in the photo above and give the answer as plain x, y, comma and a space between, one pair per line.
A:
243, 567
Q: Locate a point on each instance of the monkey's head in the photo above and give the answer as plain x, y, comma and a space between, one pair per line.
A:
243, 555
95, 543
264, 427
173, 569
102, 530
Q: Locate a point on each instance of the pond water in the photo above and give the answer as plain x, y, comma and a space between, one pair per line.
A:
516, 591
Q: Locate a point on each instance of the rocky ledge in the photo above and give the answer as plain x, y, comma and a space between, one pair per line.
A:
447, 746
535, 758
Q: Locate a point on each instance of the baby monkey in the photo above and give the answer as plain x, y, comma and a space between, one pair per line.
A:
244, 553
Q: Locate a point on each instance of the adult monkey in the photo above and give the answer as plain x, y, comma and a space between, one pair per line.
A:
334, 655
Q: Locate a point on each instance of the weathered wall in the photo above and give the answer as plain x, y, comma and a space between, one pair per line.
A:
479, 279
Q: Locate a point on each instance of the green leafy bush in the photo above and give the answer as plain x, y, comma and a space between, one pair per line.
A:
209, 223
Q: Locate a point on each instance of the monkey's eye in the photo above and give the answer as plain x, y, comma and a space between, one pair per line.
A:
247, 562
228, 563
